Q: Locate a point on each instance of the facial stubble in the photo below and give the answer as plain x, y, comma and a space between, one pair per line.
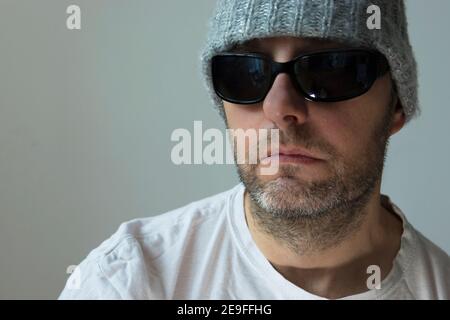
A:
311, 216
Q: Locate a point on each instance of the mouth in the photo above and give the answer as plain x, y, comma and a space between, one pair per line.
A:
292, 155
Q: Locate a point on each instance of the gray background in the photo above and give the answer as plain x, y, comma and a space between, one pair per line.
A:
86, 118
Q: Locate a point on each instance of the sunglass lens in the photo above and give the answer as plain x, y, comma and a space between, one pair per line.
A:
240, 79
335, 76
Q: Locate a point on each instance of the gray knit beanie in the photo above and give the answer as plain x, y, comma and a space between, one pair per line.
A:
236, 21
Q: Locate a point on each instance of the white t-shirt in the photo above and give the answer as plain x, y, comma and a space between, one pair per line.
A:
204, 250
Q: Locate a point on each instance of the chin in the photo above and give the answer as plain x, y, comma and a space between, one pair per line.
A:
284, 188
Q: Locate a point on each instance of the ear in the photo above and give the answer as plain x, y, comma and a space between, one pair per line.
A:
398, 118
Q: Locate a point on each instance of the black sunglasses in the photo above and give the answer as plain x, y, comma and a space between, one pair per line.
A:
320, 76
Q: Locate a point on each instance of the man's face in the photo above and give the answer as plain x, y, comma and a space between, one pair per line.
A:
349, 137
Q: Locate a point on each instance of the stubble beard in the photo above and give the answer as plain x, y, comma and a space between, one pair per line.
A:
312, 216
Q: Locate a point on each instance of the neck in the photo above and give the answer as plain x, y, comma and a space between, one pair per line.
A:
325, 259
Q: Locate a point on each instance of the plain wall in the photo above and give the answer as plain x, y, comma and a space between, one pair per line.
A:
86, 117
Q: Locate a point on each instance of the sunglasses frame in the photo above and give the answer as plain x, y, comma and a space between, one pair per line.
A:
382, 66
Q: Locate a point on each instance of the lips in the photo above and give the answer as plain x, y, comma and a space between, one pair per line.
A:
293, 155
294, 152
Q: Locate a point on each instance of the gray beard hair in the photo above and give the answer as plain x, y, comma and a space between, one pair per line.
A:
329, 211
312, 217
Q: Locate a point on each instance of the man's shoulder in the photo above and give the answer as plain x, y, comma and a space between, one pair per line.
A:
428, 269
417, 251
437, 257
118, 267
167, 228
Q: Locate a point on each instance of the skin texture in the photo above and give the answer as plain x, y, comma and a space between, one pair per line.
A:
321, 225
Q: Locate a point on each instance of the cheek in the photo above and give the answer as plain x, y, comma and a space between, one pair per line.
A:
245, 117
349, 125
346, 127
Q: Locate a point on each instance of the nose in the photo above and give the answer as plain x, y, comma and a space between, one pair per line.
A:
284, 105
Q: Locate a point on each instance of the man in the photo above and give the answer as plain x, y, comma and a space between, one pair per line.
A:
318, 228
